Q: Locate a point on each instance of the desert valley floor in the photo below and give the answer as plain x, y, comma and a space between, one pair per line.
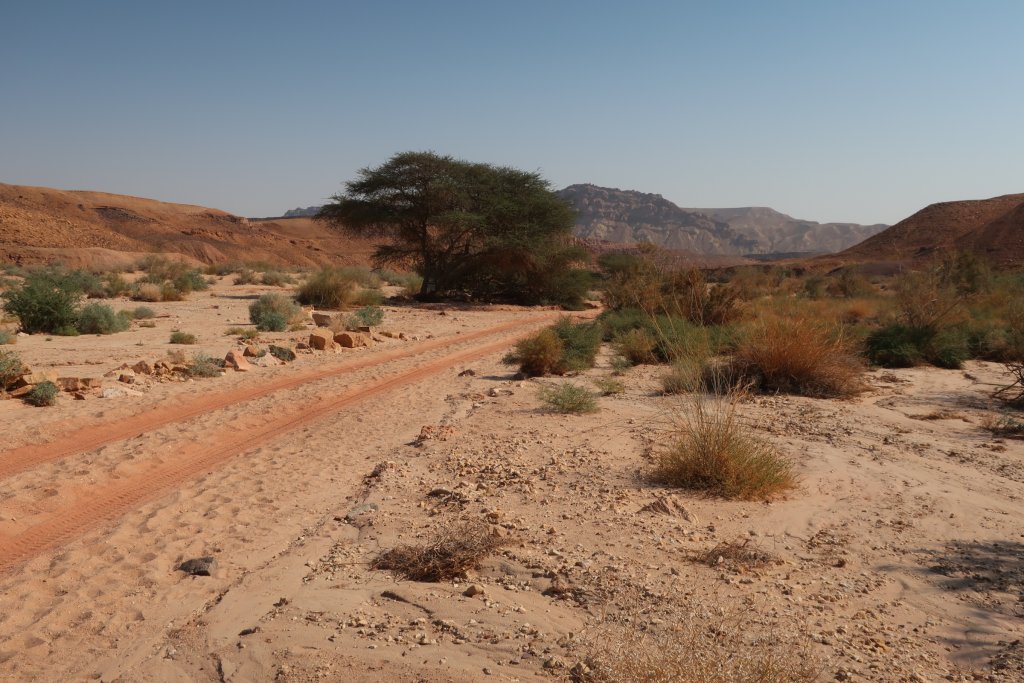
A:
898, 558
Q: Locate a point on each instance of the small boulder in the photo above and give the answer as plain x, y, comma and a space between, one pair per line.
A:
126, 376
21, 392
321, 339
69, 384
199, 566
252, 351
282, 353
143, 368
323, 319
235, 359
351, 340
473, 591
33, 378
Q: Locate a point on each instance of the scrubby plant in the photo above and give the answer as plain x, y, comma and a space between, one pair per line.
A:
146, 291
609, 386
714, 452
538, 354
101, 319
179, 337
580, 343
455, 549
799, 356
114, 285
568, 398
143, 313
329, 288
411, 283
11, 368
903, 346
367, 316
203, 365
43, 394
246, 276
638, 345
46, 301
7, 337
274, 312
275, 278
368, 297
170, 292
683, 377
190, 281
246, 333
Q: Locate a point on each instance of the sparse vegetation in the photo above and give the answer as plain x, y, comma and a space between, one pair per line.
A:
7, 337
539, 354
369, 316
11, 368
568, 398
1005, 425
101, 319
456, 548
275, 278
608, 386
274, 312
43, 394
246, 276
246, 333
329, 288
143, 313
179, 337
712, 451
203, 365
368, 297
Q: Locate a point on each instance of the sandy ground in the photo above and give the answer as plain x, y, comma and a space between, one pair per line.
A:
899, 558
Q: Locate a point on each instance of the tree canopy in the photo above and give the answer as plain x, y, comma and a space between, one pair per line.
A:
490, 232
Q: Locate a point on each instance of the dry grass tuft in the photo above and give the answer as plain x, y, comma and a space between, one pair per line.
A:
714, 452
456, 548
800, 356
702, 648
743, 553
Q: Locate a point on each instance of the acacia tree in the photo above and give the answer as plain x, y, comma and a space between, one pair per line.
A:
478, 229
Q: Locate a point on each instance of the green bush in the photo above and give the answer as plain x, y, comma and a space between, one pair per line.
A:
11, 368
903, 346
368, 297
637, 345
101, 319
568, 398
246, 276
114, 285
190, 281
274, 312
608, 386
143, 313
43, 394
274, 278
170, 292
329, 288
7, 337
47, 301
204, 366
581, 342
368, 316
179, 337
538, 354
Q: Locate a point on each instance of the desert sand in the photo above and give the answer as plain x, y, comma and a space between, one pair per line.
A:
898, 558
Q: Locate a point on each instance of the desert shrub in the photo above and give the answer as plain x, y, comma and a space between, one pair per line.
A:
682, 378
46, 301
580, 343
712, 451
849, 284
799, 356
222, 269
147, 323
368, 297
568, 398
1013, 393
101, 319
1005, 426
246, 276
903, 346
701, 646
143, 313
538, 354
608, 386
204, 366
7, 337
274, 312
367, 316
411, 283
639, 346
11, 368
43, 394
146, 291
329, 288
620, 365
246, 333
179, 337
275, 278
114, 285
160, 269
170, 292
456, 548
689, 295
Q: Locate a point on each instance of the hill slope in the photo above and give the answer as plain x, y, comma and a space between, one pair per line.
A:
39, 225
627, 216
991, 227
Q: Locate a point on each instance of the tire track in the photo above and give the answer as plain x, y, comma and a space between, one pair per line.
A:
108, 501
94, 436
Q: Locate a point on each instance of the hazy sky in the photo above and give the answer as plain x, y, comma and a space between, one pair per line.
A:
832, 110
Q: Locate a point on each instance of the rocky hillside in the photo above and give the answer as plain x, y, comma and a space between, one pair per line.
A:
300, 212
40, 225
628, 216
991, 227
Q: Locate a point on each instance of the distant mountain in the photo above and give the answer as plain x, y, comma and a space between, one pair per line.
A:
307, 212
990, 227
627, 216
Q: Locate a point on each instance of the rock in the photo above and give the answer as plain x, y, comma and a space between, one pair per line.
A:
111, 392
303, 346
388, 333
21, 391
473, 590
33, 378
252, 351
162, 367
282, 353
199, 566
143, 368
69, 384
323, 319
321, 339
360, 510
266, 361
78, 396
365, 329
235, 359
351, 340
468, 373
127, 376
91, 382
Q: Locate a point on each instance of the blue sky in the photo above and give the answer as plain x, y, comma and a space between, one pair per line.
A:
829, 110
